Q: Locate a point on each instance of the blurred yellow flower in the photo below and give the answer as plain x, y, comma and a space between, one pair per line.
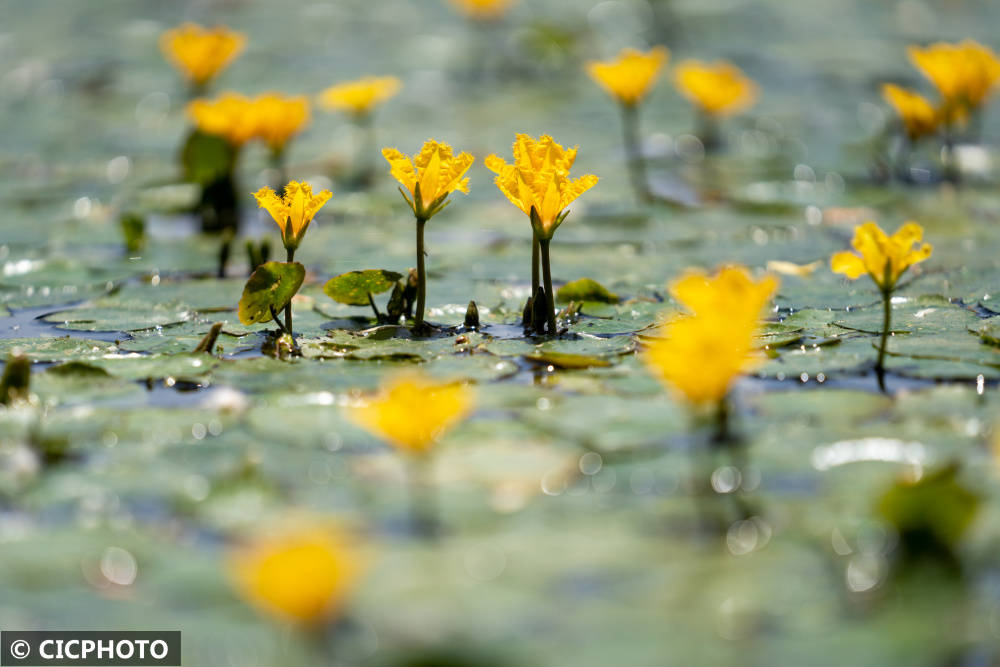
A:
279, 117
700, 353
538, 181
412, 411
718, 89
731, 291
431, 176
201, 53
699, 356
361, 96
294, 211
483, 10
965, 74
303, 574
230, 116
919, 117
631, 75
884, 258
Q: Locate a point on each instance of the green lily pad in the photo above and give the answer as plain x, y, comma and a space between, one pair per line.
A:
353, 287
270, 288
585, 289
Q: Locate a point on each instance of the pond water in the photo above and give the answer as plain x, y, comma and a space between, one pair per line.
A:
587, 519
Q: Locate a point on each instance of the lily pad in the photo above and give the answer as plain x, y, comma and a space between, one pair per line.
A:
269, 290
353, 287
585, 289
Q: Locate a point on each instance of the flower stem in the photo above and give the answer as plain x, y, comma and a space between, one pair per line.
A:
421, 275
547, 278
423, 506
534, 262
633, 153
886, 323
279, 165
288, 307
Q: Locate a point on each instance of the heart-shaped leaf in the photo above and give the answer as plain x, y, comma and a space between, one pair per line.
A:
354, 287
272, 285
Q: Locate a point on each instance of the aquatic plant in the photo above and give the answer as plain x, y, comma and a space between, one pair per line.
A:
716, 90
699, 352
433, 174
884, 259
303, 573
412, 413
538, 183
200, 53
273, 284
359, 99
628, 79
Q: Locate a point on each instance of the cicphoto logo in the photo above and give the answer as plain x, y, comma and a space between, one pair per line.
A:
98, 649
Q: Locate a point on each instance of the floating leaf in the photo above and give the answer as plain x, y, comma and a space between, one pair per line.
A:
354, 287
585, 289
567, 361
272, 285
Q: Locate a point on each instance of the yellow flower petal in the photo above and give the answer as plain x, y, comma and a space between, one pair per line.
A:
302, 574
413, 412
882, 257
360, 97
296, 209
438, 171
278, 118
201, 53
630, 76
718, 88
539, 179
919, 117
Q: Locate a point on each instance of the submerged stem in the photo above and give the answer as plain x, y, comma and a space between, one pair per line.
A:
550, 304
633, 152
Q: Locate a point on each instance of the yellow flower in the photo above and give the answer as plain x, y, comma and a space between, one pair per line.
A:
303, 574
919, 117
483, 10
884, 258
629, 77
699, 356
731, 291
412, 412
431, 176
294, 211
718, 88
700, 353
230, 116
201, 53
965, 74
361, 96
538, 181
279, 118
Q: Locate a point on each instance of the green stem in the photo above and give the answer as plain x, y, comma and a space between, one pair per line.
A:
278, 163
547, 278
633, 152
367, 149
534, 262
886, 323
423, 506
288, 307
421, 275
378, 315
